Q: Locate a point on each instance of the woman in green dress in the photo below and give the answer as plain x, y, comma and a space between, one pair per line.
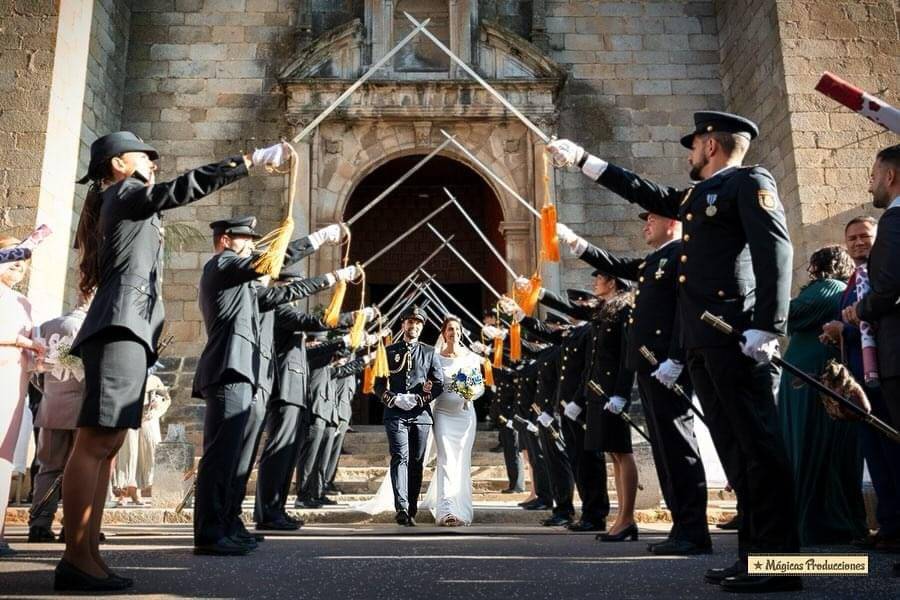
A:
825, 453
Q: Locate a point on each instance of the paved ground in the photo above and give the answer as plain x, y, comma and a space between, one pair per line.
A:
426, 563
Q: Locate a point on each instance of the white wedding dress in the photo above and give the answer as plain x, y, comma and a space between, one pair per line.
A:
450, 491
453, 436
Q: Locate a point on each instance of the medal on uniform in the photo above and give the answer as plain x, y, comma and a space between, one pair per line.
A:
396, 358
659, 271
711, 205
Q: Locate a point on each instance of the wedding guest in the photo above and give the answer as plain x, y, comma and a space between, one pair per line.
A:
57, 416
824, 453
17, 351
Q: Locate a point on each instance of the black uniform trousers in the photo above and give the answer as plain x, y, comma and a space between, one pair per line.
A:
738, 400
512, 456
562, 479
247, 458
406, 441
227, 411
540, 472
334, 456
309, 462
890, 391
676, 455
589, 470
284, 426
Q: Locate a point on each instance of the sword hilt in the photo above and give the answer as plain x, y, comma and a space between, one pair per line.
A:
648, 355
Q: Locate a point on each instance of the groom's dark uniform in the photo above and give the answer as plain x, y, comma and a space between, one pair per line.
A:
411, 365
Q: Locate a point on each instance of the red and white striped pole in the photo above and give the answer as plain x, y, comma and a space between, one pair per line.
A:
867, 105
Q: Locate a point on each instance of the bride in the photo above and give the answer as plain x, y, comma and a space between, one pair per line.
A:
449, 495
454, 427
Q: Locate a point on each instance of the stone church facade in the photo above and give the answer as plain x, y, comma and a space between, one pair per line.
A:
200, 79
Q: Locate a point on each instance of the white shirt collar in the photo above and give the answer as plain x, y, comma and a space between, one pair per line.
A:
667, 243
895, 203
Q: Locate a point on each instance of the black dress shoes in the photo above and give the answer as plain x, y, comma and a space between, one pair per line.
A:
512, 490
411, 522
402, 517
759, 584
326, 501
278, 525
537, 505
583, 526
40, 535
223, 547
248, 542
298, 522
717, 576
308, 503
557, 521
630, 532
679, 548
69, 578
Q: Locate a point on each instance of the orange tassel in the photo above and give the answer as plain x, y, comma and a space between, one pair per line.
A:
488, 372
381, 368
528, 299
333, 312
270, 261
515, 342
549, 239
389, 339
368, 380
498, 353
358, 330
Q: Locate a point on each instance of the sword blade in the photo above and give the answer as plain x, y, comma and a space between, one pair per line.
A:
465, 262
407, 232
483, 237
384, 59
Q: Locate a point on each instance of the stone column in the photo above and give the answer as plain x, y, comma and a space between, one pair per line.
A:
59, 162
519, 249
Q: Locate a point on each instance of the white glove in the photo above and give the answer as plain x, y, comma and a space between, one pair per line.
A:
522, 283
572, 411
371, 339
544, 419
493, 332
479, 348
668, 372
509, 425
759, 345
565, 153
405, 401
509, 306
531, 427
347, 273
371, 313
327, 235
576, 244
272, 156
615, 405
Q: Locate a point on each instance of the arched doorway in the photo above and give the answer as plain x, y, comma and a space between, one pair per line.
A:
404, 207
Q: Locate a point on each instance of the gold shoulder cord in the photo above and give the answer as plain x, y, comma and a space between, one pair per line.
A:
406, 359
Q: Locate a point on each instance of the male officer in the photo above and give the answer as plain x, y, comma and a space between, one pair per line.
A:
669, 419
736, 263
415, 379
228, 372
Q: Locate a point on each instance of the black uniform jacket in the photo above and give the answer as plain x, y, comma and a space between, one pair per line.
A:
129, 294
736, 257
881, 306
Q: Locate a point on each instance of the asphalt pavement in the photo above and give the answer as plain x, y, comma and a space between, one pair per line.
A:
388, 562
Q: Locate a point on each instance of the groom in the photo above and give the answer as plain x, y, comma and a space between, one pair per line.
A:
415, 378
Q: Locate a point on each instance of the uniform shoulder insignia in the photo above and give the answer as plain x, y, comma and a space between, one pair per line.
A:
687, 194
642, 265
766, 199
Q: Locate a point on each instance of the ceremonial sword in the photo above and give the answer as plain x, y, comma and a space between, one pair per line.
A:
595, 387
648, 355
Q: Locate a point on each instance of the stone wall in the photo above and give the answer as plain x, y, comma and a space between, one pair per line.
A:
515, 15
819, 152
27, 42
638, 71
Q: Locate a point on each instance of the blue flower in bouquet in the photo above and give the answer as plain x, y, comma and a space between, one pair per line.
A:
468, 384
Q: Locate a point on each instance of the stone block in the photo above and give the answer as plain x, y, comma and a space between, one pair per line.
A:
174, 458
189, 34
653, 87
217, 51
242, 69
624, 42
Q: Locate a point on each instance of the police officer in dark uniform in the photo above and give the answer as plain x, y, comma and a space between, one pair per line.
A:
291, 286
525, 383
227, 373
415, 379
562, 477
669, 419
346, 382
287, 417
736, 263
504, 401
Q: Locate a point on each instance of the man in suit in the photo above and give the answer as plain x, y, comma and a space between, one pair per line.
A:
881, 306
669, 419
227, 375
736, 263
345, 384
415, 380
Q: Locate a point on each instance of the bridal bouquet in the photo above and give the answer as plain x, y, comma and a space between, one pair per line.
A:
469, 384
59, 361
